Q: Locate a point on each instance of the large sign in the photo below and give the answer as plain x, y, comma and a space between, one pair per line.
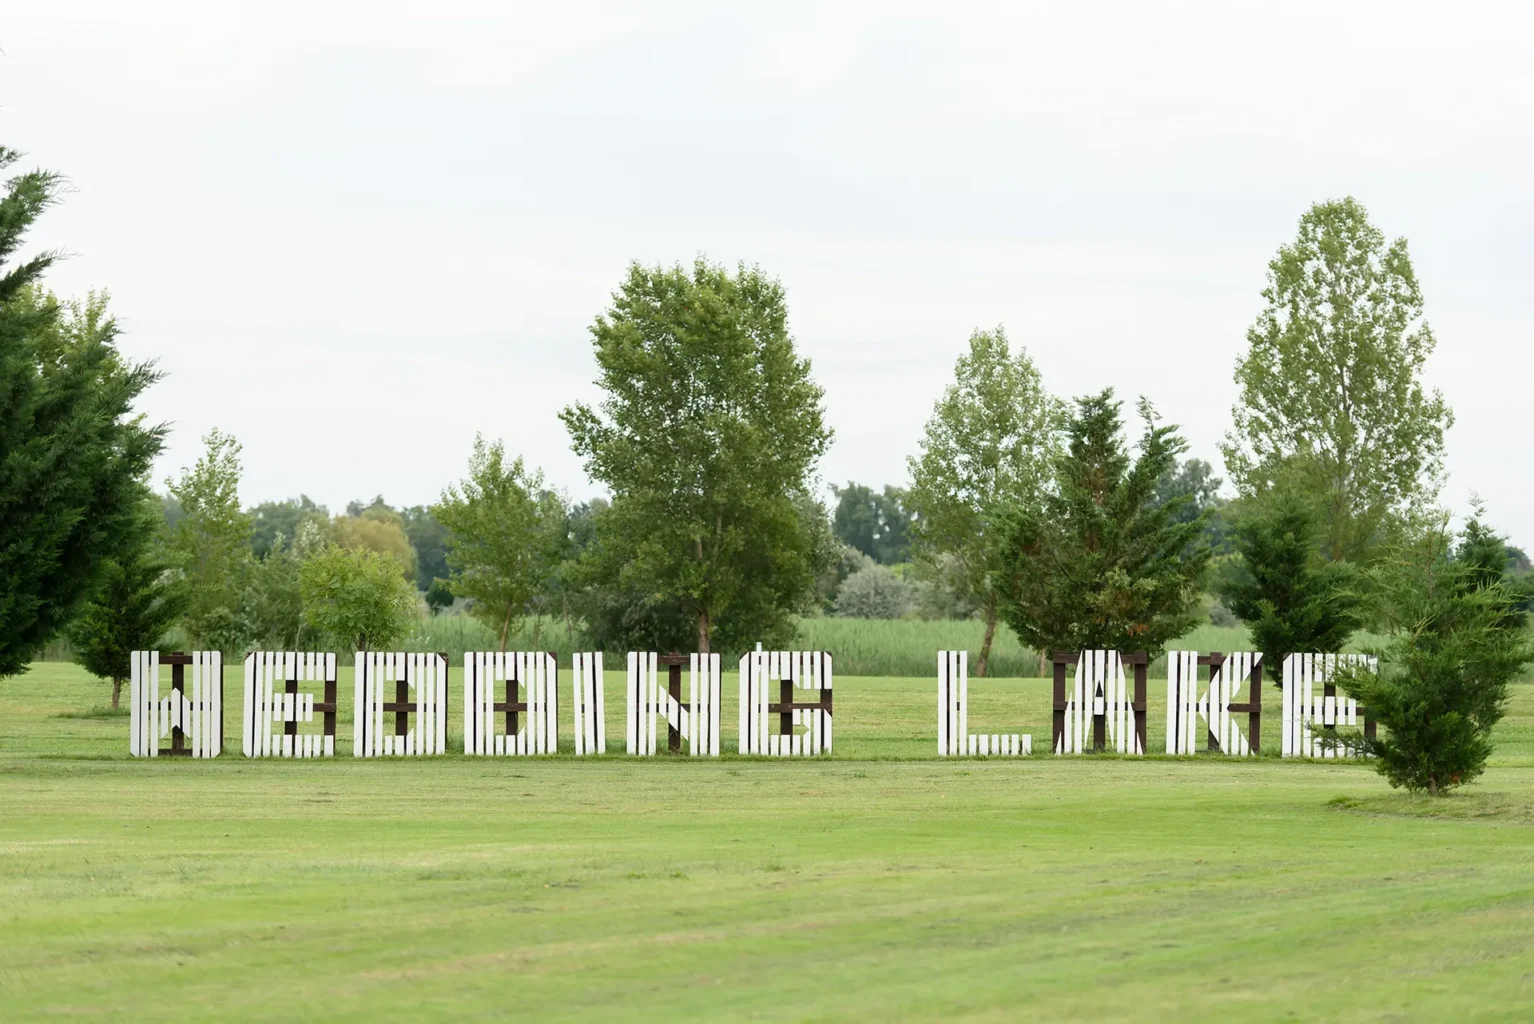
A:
953, 736
190, 715
785, 727
275, 707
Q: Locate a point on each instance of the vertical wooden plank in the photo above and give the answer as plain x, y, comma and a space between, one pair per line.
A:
943, 659
632, 725
963, 723
135, 703
1173, 693
578, 695
599, 687
551, 701
470, 700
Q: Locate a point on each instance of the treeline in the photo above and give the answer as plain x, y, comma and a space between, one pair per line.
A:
1028, 511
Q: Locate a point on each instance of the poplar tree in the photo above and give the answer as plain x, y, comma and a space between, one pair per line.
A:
986, 450
1332, 399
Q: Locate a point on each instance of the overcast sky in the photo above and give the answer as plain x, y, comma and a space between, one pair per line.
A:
354, 234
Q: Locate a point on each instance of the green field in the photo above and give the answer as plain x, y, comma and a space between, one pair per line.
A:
880, 884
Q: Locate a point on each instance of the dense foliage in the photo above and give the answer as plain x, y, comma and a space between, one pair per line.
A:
1455, 643
73, 453
1332, 398
1101, 562
707, 436
987, 448
1289, 595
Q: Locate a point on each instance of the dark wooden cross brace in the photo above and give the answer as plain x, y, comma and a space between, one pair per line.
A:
674, 663
1252, 708
178, 661
1063, 660
402, 706
515, 703
786, 707
328, 705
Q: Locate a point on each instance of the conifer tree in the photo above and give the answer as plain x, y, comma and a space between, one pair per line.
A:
73, 454
1103, 563
1291, 598
135, 603
1456, 642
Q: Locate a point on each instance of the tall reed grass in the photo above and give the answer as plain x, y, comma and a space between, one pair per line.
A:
861, 647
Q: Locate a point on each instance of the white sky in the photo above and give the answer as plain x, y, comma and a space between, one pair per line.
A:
354, 234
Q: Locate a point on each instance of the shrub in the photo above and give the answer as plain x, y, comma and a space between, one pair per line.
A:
873, 592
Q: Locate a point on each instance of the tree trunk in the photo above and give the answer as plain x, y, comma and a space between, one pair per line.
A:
505, 627
1432, 785
117, 691
703, 631
985, 645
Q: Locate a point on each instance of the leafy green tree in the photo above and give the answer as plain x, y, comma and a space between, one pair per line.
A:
210, 544
273, 519
271, 609
439, 596
1455, 644
73, 453
707, 438
987, 447
430, 539
1102, 563
1332, 398
373, 532
135, 603
873, 593
1291, 598
874, 523
357, 597
506, 541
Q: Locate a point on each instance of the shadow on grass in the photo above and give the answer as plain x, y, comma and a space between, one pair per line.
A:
1505, 808
96, 713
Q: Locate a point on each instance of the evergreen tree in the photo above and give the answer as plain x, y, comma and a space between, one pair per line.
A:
1102, 563
73, 454
1456, 642
1291, 598
134, 605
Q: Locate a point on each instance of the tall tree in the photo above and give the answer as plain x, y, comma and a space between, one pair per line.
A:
1455, 642
430, 539
874, 523
210, 543
1101, 563
73, 453
1332, 398
133, 606
1195, 478
1289, 595
987, 447
273, 519
707, 438
504, 544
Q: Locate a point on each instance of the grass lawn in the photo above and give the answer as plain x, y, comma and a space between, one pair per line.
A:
880, 884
